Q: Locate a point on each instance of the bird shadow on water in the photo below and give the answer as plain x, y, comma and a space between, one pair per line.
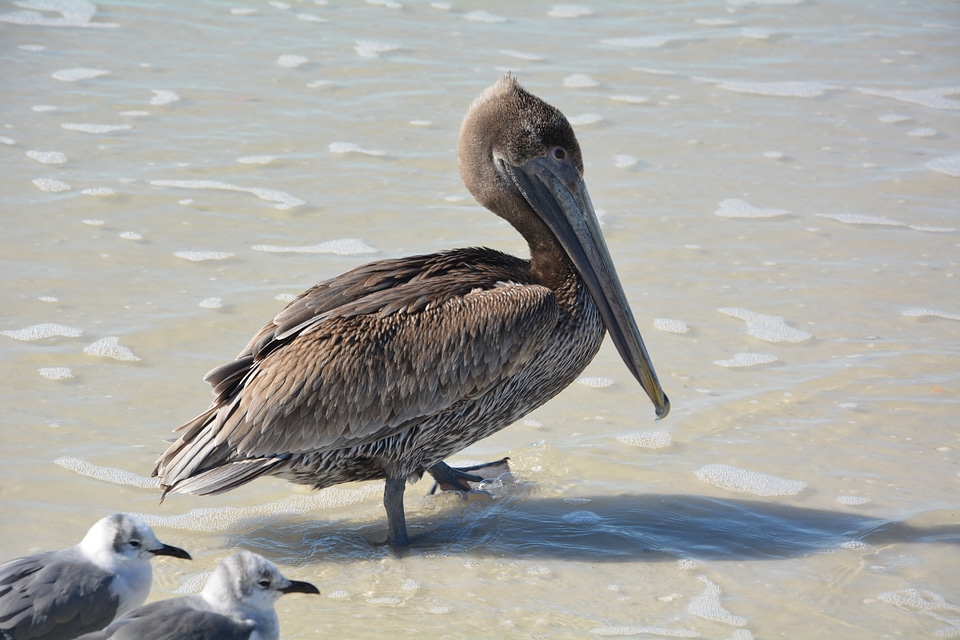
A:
617, 528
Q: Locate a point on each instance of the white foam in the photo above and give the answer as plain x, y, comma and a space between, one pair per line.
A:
79, 73
671, 326
766, 327
893, 118
922, 132
583, 518
110, 347
310, 17
43, 108
737, 208
284, 200
595, 381
244, 11
643, 42
6, 140
256, 159
343, 247
521, 55
93, 222
757, 33
852, 500
774, 155
949, 166
56, 373
736, 3
929, 604
732, 478
291, 61
707, 606
370, 49
746, 360
98, 191
716, 22
644, 631
933, 98
579, 80
349, 147
95, 128
647, 439
791, 89
569, 11
211, 303
32, 47
163, 96
856, 218
41, 331
130, 235
484, 16
629, 99
586, 118
51, 185
107, 474
73, 13
625, 161
922, 313
200, 256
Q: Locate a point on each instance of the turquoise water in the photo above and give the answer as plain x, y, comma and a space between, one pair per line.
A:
778, 183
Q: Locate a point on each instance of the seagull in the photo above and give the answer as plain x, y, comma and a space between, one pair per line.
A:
61, 594
237, 603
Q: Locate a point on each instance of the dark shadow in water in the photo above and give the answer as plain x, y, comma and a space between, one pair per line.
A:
607, 529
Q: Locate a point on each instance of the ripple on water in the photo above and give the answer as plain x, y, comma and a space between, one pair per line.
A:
163, 96
95, 128
948, 166
79, 73
292, 61
788, 89
200, 256
282, 199
767, 327
917, 312
732, 478
737, 208
350, 147
569, 11
343, 247
371, 49
934, 98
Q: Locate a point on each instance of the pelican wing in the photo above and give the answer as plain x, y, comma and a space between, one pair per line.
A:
361, 357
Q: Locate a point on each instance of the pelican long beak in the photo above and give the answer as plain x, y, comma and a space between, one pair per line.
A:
558, 194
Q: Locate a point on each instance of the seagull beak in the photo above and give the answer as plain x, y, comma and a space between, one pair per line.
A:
174, 552
297, 586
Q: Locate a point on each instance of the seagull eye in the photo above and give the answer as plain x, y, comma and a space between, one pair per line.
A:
264, 584
135, 543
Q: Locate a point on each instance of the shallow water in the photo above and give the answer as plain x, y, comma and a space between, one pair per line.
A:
779, 189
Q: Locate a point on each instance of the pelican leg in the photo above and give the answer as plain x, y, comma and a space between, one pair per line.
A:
449, 478
396, 520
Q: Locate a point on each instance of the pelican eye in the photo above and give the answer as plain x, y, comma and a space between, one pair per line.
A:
559, 153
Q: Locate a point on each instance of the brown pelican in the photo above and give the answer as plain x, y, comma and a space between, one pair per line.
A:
384, 371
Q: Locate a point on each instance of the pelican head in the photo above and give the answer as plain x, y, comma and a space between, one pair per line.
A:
519, 157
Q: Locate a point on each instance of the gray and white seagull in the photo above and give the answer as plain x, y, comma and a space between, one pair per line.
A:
237, 603
59, 595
